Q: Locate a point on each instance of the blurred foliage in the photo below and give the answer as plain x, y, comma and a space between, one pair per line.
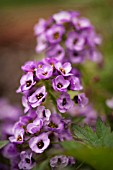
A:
92, 147
3, 143
96, 157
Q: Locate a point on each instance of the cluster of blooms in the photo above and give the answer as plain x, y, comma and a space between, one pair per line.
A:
68, 37
46, 87
45, 82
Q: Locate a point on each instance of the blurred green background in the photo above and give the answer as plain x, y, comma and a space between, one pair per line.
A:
17, 43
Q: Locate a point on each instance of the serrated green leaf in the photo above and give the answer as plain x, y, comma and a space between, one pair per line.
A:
103, 137
86, 134
102, 129
3, 143
98, 158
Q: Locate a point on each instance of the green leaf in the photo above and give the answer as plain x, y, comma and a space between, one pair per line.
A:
3, 143
99, 158
86, 134
101, 129
103, 137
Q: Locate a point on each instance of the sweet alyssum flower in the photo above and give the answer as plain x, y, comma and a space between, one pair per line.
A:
40, 143
61, 161
64, 103
45, 76
27, 162
37, 97
68, 30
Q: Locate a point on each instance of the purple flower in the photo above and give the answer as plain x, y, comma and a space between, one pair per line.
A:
37, 97
27, 161
81, 23
60, 84
40, 143
64, 103
59, 161
41, 43
10, 150
81, 99
64, 69
72, 160
40, 27
35, 126
75, 83
29, 66
24, 120
25, 104
76, 56
43, 113
26, 82
8, 111
56, 51
18, 136
62, 17
75, 41
55, 33
55, 123
51, 61
44, 72
65, 136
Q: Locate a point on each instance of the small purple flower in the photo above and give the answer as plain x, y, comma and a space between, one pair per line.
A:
72, 160
40, 27
55, 33
26, 82
65, 136
43, 113
25, 104
35, 126
51, 61
60, 84
10, 150
77, 56
75, 41
41, 43
40, 143
29, 66
18, 136
64, 103
81, 99
64, 69
62, 17
75, 83
27, 162
55, 123
44, 72
24, 120
56, 51
37, 97
81, 23
59, 161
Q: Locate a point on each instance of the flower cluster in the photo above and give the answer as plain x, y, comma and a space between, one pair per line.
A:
49, 79
45, 81
52, 91
68, 37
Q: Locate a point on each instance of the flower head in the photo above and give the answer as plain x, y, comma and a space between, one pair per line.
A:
40, 143
37, 97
